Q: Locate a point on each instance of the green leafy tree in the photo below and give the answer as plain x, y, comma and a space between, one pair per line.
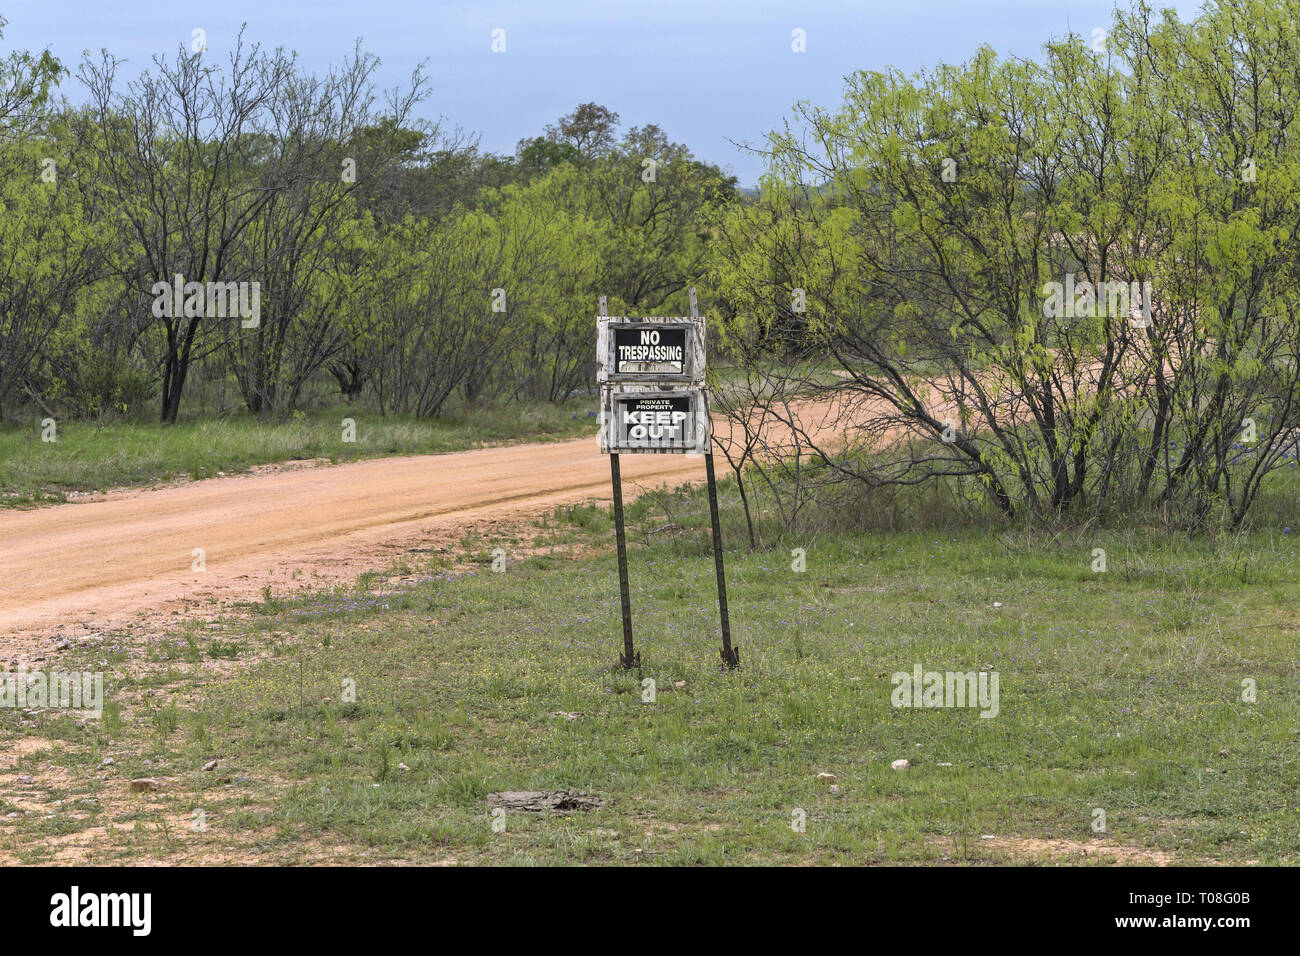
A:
912, 236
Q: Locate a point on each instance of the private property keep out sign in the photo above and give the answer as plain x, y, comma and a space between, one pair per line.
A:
655, 421
657, 418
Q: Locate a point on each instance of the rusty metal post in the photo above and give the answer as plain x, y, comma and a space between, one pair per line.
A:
730, 655
629, 658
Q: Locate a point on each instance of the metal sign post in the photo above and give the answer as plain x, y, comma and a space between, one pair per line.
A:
654, 401
629, 658
730, 655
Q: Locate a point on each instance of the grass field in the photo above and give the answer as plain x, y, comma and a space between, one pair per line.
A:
90, 456
1120, 692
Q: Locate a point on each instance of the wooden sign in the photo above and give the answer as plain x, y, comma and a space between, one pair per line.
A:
650, 349
643, 348
654, 421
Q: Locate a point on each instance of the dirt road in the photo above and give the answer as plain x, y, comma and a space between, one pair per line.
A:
99, 564
126, 559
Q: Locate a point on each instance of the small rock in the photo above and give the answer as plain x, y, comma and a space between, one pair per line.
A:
945, 765
108, 762
679, 683
63, 644
835, 788
26, 778
826, 777
1223, 753
210, 765
402, 766
901, 765
997, 603
145, 785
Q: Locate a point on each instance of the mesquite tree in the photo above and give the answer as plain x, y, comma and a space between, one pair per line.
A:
237, 173
953, 243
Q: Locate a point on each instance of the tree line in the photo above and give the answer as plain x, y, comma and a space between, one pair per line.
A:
383, 253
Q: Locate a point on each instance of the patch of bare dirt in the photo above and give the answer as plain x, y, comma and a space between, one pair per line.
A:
1074, 852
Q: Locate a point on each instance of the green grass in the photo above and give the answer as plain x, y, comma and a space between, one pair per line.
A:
1119, 691
91, 456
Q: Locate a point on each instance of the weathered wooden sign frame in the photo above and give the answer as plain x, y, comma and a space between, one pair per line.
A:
610, 366
619, 385
658, 439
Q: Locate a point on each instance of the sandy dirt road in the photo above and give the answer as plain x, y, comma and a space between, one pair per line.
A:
128, 556
125, 559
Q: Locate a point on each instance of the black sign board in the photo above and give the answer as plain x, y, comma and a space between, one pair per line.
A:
648, 420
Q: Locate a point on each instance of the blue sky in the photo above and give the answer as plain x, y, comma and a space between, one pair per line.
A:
709, 72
